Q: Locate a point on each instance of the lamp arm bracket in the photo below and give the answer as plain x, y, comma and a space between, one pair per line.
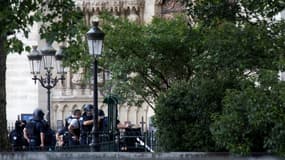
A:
44, 81
55, 80
41, 80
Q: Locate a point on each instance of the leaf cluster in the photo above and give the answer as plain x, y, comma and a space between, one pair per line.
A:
15, 17
61, 21
252, 119
214, 12
145, 58
183, 116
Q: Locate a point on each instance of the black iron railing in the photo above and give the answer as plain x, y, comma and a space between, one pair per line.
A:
127, 140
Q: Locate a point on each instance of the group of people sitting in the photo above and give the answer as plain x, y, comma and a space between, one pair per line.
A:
36, 134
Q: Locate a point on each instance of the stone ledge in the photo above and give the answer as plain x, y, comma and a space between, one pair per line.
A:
130, 156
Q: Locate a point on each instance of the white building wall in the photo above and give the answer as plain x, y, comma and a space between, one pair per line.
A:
22, 95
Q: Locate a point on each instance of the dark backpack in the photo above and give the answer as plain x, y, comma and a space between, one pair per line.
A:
50, 139
31, 129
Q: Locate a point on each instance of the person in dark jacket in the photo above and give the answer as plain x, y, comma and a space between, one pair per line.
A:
16, 136
34, 131
86, 122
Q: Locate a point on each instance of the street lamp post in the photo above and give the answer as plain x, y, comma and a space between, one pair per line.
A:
46, 56
95, 39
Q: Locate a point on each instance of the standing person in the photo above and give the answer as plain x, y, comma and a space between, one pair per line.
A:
74, 128
16, 136
34, 131
86, 122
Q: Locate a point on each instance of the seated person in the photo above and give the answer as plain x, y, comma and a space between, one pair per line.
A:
62, 137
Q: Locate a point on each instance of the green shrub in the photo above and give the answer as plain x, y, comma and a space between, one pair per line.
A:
183, 116
253, 118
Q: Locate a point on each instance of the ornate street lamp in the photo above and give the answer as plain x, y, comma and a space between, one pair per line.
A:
48, 57
95, 39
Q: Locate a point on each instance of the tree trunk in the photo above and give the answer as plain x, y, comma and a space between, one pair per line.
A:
4, 143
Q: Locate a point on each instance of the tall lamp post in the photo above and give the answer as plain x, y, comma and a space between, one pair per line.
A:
47, 56
95, 39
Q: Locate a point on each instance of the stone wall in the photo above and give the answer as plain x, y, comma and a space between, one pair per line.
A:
129, 156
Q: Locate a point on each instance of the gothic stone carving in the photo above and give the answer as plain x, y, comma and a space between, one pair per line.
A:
110, 5
171, 6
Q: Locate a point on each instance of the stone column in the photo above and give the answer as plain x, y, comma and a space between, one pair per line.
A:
53, 115
146, 118
149, 10
128, 112
68, 82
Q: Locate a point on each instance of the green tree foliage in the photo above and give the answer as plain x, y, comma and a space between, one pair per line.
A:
241, 46
183, 116
146, 59
252, 119
214, 12
59, 20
